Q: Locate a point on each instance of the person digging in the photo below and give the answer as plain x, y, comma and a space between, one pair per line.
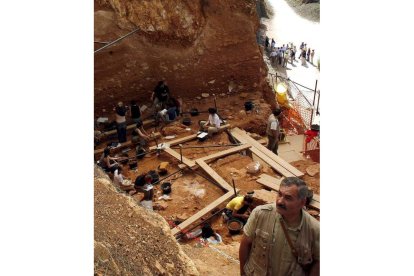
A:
237, 208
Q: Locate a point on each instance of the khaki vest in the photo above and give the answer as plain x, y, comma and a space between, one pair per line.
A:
264, 239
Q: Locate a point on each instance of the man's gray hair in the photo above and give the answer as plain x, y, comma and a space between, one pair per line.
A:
302, 187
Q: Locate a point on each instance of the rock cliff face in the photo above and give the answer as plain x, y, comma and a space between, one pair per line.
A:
197, 46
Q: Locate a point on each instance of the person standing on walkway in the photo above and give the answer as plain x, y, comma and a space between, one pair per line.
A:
308, 54
286, 58
292, 55
120, 112
273, 56
273, 44
280, 56
312, 54
281, 238
273, 130
303, 57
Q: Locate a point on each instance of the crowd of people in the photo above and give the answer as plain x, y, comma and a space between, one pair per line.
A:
288, 53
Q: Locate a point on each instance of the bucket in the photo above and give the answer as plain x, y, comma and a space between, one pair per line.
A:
194, 112
234, 226
248, 106
166, 188
133, 165
315, 127
187, 121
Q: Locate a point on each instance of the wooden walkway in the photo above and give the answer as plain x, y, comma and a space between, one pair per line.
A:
266, 155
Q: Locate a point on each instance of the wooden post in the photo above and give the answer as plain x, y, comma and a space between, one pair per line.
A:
234, 187
313, 103
317, 107
181, 152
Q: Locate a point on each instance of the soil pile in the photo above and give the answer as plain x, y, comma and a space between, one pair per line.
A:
129, 240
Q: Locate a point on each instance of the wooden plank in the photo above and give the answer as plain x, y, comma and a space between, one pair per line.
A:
262, 156
201, 213
185, 139
126, 144
123, 145
274, 184
216, 155
270, 162
269, 181
177, 141
223, 127
269, 153
175, 154
182, 140
245, 138
214, 175
129, 127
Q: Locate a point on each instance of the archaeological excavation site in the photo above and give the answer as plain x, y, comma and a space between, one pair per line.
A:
184, 97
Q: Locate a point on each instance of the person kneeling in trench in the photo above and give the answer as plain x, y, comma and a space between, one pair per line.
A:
124, 184
143, 184
237, 207
213, 122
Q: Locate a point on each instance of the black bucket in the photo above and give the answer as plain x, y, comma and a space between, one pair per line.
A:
133, 165
194, 112
166, 188
187, 121
315, 127
248, 106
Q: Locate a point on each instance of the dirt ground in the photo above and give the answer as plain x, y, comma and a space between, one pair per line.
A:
191, 191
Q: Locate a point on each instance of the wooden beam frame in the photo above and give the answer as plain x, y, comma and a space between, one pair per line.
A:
129, 127
179, 228
177, 141
214, 175
271, 162
243, 137
186, 161
125, 144
216, 155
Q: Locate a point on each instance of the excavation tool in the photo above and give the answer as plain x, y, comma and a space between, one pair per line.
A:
234, 187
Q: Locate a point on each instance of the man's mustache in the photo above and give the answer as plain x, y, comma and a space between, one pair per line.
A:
281, 206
